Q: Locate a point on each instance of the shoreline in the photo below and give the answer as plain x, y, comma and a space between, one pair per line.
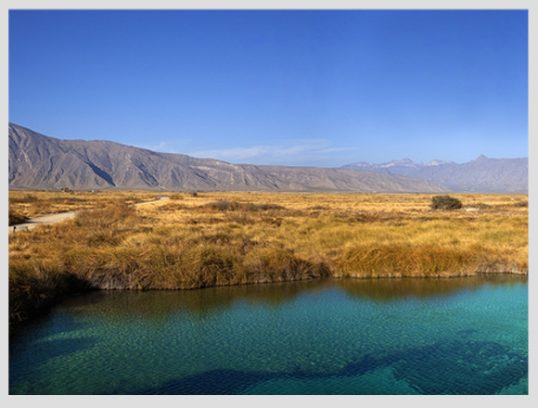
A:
186, 242
83, 287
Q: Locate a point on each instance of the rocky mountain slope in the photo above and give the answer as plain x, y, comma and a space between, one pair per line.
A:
41, 162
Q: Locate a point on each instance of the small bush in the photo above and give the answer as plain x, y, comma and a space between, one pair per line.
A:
222, 205
16, 218
28, 198
176, 196
521, 204
225, 205
445, 203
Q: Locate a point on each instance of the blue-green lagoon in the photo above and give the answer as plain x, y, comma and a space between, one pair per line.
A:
397, 336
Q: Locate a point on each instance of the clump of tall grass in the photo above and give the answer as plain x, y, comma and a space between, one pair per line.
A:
34, 285
176, 196
190, 265
264, 265
67, 200
482, 206
524, 204
226, 205
108, 225
413, 260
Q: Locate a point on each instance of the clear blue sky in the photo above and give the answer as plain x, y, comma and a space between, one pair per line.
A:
288, 87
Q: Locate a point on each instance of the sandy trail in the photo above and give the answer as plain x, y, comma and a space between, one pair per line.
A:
59, 217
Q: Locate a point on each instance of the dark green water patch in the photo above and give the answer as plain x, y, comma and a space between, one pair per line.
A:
458, 367
415, 336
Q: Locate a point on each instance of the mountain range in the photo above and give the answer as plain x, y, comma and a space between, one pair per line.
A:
483, 174
42, 162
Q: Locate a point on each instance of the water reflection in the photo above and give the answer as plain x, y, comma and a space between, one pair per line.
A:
157, 305
393, 289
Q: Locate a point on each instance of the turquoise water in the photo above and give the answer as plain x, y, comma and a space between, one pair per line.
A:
414, 336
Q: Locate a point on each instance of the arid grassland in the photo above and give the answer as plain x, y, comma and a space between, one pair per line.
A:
216, 239
24, 204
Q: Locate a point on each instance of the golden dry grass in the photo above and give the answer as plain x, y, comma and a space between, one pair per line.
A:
36, 203
216, 239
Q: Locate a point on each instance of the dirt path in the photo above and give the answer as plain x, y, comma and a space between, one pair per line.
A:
59, 217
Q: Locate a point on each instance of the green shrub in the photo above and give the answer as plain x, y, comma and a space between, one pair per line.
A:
445, 202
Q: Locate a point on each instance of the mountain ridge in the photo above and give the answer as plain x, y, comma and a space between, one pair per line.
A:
481, 175
44, 162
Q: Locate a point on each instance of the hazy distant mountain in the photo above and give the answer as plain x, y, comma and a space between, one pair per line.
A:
41, 162
480, 175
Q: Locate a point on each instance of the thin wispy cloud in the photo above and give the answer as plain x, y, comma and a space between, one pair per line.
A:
302, 150
162, 146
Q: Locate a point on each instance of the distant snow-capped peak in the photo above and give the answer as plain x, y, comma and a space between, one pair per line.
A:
403, 162
436, 162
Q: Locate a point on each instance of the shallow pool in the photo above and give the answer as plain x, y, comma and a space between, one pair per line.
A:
409, 336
